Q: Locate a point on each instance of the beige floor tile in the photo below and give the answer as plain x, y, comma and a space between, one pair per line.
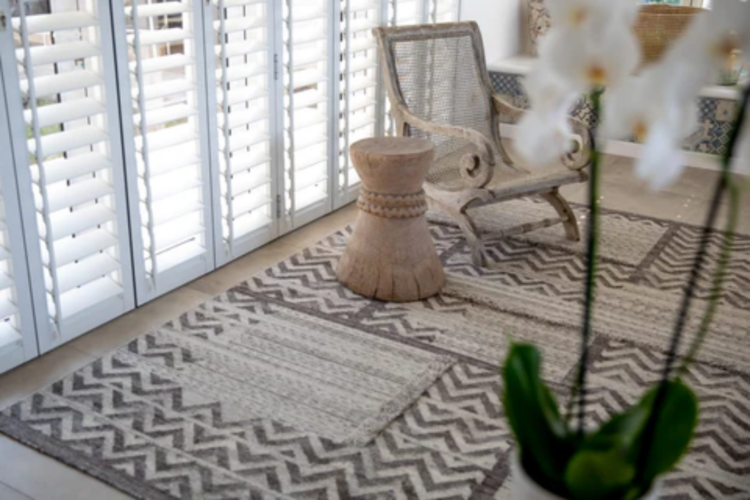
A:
39, 373
255, 262
242, 269
8, 493
42, 478
122, 330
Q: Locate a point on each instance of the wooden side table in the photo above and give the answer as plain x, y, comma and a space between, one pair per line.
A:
391, 256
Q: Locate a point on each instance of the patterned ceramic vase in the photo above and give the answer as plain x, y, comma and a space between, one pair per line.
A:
539, 23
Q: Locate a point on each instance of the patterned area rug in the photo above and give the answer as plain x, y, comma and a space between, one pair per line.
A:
290, 386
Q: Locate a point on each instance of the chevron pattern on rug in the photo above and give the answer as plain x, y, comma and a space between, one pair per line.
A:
289, 385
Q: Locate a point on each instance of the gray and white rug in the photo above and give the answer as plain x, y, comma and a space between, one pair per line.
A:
290, 386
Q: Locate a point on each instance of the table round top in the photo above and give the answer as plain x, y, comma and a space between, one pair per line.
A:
393, 146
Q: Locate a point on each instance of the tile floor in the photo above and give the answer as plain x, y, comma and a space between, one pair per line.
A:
26, 474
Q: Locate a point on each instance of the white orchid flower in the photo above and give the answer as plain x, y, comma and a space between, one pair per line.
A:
591, 42
544, 133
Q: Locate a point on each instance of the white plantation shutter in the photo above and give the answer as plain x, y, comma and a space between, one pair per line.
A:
241, 104
17, 332
163, 100
308, 83
71, 175
361, 92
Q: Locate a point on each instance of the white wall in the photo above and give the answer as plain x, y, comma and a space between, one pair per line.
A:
500, 22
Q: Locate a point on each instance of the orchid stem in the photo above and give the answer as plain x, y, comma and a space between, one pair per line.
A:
579, 389
698, 264
718, 280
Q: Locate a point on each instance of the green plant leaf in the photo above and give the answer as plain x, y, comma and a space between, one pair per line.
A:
545, 442
621, 432
674, 429
597, 475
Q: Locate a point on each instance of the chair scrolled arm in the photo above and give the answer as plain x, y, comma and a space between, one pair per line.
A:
580, 155
505, 110
476, 168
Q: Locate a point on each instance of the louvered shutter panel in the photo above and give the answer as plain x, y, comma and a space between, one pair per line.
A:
308, 39
241, 96
362, 99
71, 177
162, 90
17, 332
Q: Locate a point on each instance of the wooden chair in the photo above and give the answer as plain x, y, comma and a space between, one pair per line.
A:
439, 89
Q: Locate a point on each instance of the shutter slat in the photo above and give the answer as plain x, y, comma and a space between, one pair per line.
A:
246, 203
5, 281
46, 86
365, 24
168, 187
54, 114
176, 61
243, 48
167, 114
80, 299
53, 54
64, 196
246, 161
248, 223
311, 177
309, 98
361, 64
69, 140
169, 137
76, 166
310, 158
159, 90
169, 161
9, 337
46, 23
307, 118
361, 102
159, 9
308, 77
250, 179
361, 120
307, 138
244, 117
7, 308
242, 72
176, 231
240, 24
176, 256
239, 3
308, 15
243, 94
154, 37
172, 211
243, 140
67, 223
85, 271
71, 250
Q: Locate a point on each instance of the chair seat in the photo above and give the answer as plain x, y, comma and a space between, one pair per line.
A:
445, 175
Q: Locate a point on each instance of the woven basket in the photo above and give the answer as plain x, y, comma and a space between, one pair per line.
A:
658, 25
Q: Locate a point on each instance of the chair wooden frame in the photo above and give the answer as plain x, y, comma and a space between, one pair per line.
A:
478, 166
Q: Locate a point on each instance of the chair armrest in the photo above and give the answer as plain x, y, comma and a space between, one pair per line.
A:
476, 168
504, 108
580, 155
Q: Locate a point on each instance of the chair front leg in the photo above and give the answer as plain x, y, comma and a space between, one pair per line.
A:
561, 205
